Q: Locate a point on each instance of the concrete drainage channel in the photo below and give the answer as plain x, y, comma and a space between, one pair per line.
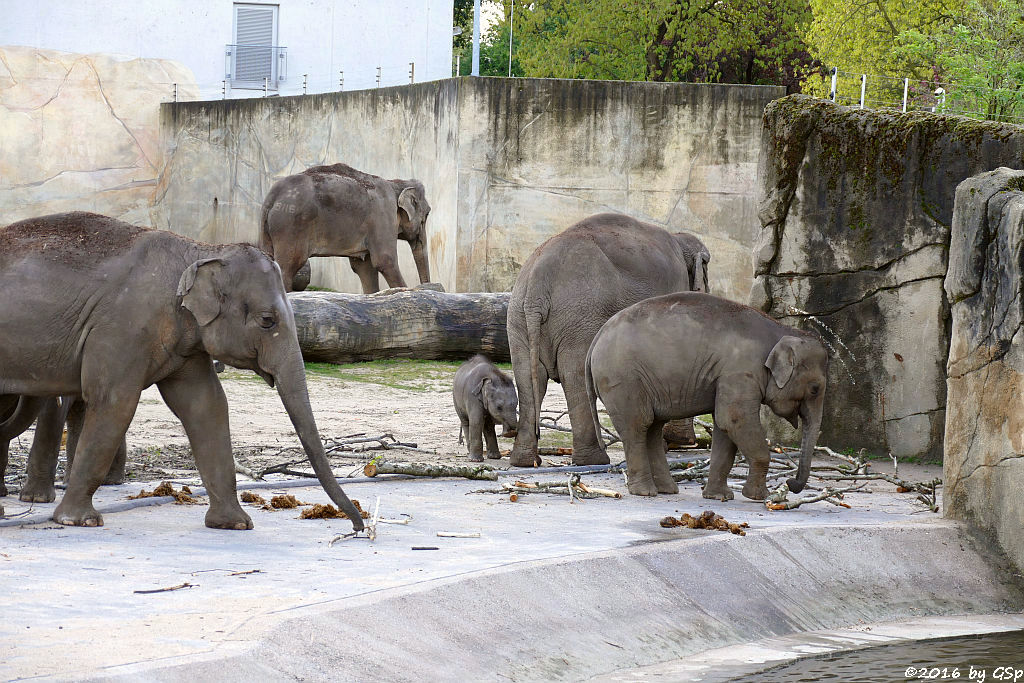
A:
550, 591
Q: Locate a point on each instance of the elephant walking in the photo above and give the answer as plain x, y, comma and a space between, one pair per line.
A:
687, 354
100, 309
566, 290
340, 211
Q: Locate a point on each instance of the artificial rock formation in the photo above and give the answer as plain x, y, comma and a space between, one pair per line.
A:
984, 462
81, 132
855, 209
400, 323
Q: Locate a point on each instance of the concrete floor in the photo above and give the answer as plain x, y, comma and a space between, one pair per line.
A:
549, 591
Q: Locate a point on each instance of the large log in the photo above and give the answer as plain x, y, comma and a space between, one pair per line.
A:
400, 323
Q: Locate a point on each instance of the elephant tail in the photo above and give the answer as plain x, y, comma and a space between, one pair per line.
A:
534, 317
266, 243
592, 395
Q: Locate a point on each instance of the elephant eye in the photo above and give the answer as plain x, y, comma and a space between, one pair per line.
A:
815, 389
267, 320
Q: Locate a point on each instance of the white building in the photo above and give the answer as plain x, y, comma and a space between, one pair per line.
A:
240, 47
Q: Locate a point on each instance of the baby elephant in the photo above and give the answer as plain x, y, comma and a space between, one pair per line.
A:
484, 396
687, 354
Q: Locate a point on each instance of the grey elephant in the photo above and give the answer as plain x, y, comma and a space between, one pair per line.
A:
52, 414
340, 211
102, 309
484, 396
686, 354
566, 290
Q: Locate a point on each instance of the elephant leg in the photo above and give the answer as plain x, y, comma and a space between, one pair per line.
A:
639, 478
104, 423
587, 449
42, 458
660, 473
75, 413
367, 272
493, 451
751, 441
475, 435
723, 455
387, 264
290, 259
116, 475
524, 450
5, 446
195, 396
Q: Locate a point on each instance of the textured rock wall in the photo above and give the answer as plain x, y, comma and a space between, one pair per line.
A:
81, 132
855, 209
984, 463
506, 163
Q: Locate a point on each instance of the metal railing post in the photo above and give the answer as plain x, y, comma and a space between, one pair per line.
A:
341, 80
412, 72
835, 76
458, 65
266, 86
906, 90
378, 76
224, 89
175, 92
304, 80
863, 88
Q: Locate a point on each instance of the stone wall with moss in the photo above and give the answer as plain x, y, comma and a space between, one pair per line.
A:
984, 463
855, 212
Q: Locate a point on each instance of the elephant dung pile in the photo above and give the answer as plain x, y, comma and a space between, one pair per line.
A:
319, 511
707, 520
166, 489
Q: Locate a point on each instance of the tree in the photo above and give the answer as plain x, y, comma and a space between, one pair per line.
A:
978, 57
738, 41
493, 42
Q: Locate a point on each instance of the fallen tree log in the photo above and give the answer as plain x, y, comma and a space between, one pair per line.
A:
400, 323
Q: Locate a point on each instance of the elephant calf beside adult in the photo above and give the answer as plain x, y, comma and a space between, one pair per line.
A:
566, 291
341, 211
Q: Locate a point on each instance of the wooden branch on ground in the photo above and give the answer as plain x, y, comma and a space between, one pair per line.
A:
333, 446
423, 469
777, 499
572, 487
242, 469
400, 323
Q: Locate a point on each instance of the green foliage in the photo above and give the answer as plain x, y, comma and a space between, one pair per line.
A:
493, 44
981, 54
746, 41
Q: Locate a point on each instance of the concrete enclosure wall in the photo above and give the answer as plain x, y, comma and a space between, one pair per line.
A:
856, 207
80, 132
984, 463
507, 163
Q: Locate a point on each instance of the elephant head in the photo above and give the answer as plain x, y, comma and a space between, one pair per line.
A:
498, 395
697, 257
413, 210
245, 320
799, 372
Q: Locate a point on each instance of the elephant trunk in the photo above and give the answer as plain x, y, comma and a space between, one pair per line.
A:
419, 254
290, 376
809, 439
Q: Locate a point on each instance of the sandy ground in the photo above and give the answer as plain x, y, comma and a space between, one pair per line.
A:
410, 400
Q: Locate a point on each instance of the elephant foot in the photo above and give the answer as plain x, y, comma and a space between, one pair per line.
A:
669, 486
114, 479
589, 456
494, 456
476, 457
35, 491
642, 488
68, 516
231, 518
3, 488
722, 493
755, 491
518, 458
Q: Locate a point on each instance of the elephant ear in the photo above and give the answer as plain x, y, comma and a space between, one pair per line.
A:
782, 360
199, 290
407, 202
479, 389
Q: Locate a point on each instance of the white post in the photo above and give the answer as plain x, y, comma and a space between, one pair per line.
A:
458, 65
224, 89
412, 72
266, 86
175, 92
511, 23
835, 76
341, 80
378, 76
906, 90
863, 88
476, 38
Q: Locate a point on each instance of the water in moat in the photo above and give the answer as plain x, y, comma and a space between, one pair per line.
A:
993, 657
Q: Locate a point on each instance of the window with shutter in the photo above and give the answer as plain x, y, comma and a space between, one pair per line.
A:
254, 53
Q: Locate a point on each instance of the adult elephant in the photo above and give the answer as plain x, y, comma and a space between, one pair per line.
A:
101, 309
566, 290
340, 211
